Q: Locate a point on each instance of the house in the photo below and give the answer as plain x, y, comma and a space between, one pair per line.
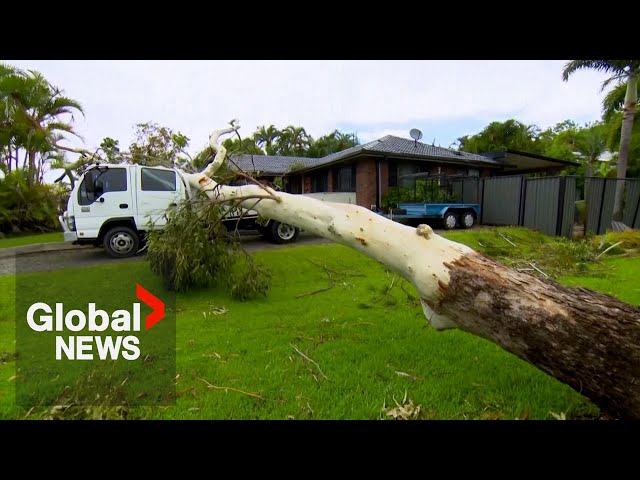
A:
372, 169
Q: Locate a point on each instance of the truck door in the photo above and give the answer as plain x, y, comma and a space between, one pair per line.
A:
104, 194
157, 190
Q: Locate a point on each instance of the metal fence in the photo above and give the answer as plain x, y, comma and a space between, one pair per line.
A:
501, 200
600, 195
547, 204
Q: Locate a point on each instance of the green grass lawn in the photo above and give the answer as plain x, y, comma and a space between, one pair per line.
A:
364, 350
20, 240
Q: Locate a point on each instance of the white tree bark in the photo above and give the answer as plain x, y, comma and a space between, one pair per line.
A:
587, 340
417, 254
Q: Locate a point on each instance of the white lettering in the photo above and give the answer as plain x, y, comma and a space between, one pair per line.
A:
69, 351
81, 347
130, 343
68, 320
106, 346
121, 321
136, 317
59, 317
46, 320
93, 313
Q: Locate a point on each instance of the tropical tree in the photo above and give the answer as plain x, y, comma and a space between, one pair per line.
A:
510, 134
266, 138
293, 141
590, 144
332, 143
35, 117
623, 72
156, 145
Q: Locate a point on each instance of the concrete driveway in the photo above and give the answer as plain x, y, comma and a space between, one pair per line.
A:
55, 256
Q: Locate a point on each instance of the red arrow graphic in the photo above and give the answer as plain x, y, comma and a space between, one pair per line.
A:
154, 302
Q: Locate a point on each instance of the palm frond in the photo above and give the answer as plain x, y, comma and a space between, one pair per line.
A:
614, 101
599, 65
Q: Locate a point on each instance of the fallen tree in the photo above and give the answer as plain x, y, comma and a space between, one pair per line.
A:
587, 340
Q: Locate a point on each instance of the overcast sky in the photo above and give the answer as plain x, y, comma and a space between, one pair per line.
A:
444, 99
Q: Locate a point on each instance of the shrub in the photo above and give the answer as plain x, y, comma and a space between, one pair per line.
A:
25, 208
195, 251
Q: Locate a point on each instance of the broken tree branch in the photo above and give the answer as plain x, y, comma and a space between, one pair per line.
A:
587, 340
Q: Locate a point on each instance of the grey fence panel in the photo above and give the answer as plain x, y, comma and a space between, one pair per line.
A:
541, 204
595, 190
470, 191
466, 190
606, 214
501, 200
631, 199
569, 207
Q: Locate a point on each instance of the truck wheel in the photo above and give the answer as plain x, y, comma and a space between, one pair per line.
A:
468, 220
282, 232
450, 220
121, 242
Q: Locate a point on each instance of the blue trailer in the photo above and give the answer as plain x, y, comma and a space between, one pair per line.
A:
452, 215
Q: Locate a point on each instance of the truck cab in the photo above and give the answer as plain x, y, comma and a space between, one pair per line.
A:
115, 205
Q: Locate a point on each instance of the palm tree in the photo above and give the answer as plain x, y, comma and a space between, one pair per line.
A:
621, 71
614, 101
266, 138
293, 141
33, 116
590, 144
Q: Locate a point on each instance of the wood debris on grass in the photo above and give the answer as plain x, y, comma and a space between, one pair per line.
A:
215, 310
413, 378
405, 411
309, 360
226, 389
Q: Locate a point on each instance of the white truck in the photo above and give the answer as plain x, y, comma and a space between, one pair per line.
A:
114, 205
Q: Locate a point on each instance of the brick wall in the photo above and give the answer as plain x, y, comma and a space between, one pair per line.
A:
366, 182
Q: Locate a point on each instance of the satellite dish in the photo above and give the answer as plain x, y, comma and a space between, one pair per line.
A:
415, 134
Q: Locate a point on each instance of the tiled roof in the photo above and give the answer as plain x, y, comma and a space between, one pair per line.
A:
389, 145
401, 146
270, 164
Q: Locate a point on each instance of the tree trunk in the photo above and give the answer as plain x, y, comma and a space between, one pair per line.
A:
630, 101
585, 339
588, 173
32, 172
10, 157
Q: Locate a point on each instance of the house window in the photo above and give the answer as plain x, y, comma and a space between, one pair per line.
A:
319, 182
346, 179
407, 169
473, 172
393, 174
294, 185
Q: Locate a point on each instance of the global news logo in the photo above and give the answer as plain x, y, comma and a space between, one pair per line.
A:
125, 324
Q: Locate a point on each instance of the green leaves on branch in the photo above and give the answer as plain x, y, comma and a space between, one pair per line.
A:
196, 251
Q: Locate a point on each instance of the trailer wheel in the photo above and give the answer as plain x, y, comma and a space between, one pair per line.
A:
121, 242
468, 220
450, 220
